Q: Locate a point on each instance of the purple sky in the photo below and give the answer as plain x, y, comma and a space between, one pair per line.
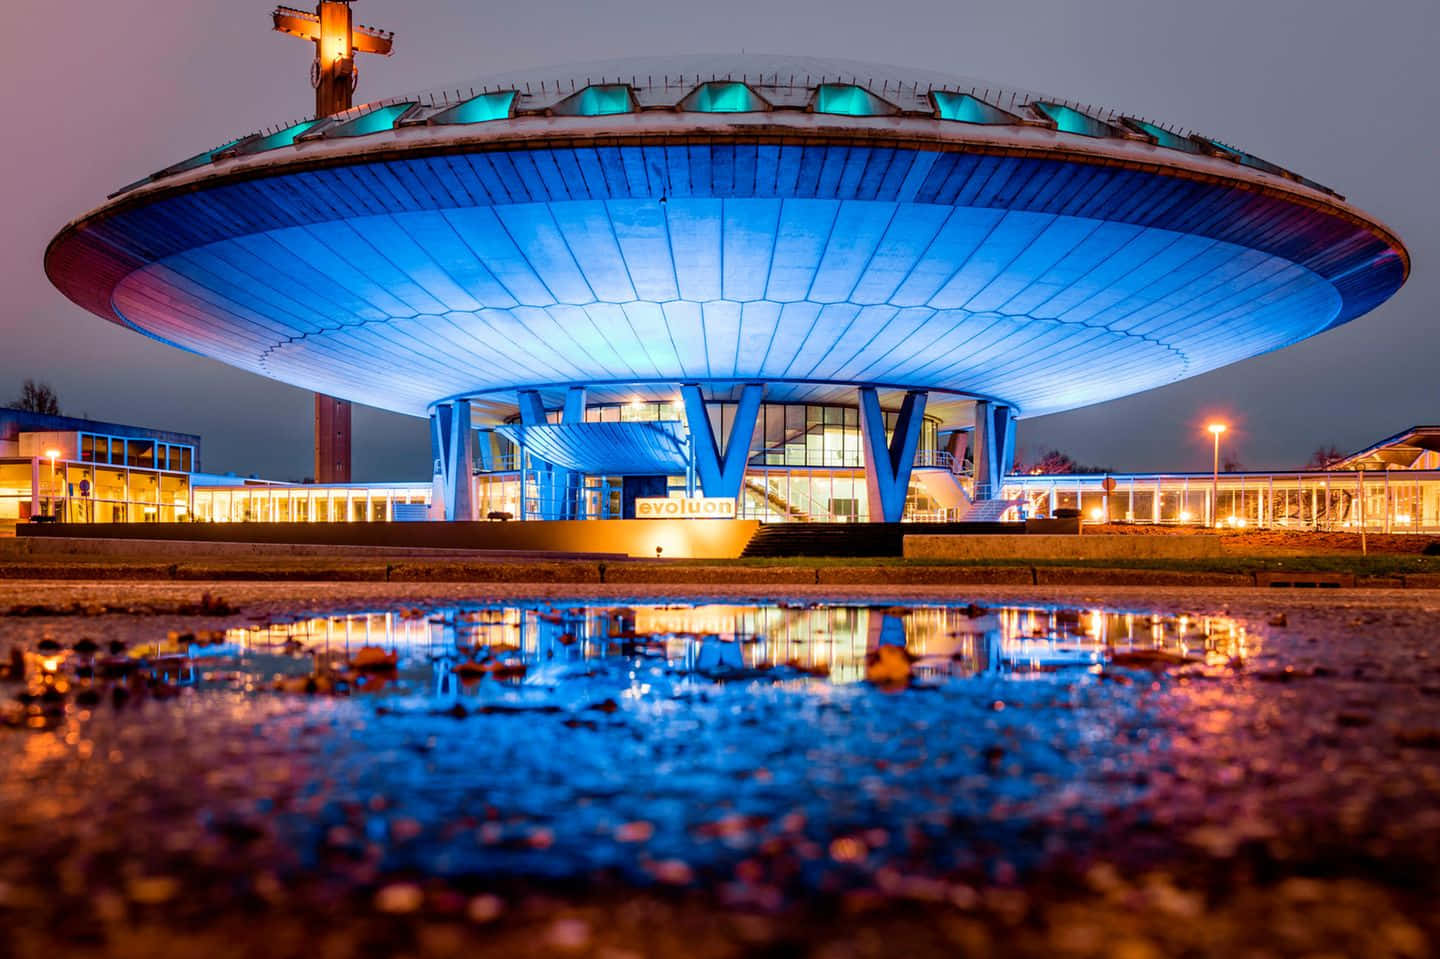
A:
1342, 92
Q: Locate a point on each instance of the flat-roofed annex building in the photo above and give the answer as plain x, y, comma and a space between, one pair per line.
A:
72, 469
784, 280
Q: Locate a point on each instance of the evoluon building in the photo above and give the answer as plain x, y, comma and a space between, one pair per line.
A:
806, 286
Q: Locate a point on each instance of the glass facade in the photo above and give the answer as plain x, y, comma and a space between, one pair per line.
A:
142, 453
638, 411
87, 492
806, 464
305, 504
1386, 501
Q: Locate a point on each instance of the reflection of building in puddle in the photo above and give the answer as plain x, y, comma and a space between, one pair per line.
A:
719, 639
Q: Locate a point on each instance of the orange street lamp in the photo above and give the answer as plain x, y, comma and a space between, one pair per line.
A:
1215, 430
52, 456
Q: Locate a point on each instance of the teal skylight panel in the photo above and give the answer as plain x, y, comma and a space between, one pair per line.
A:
964, 108
1164, 137
847, 100
372, 122
480, 109
1068, 120
597, 100
200, 159
281, 138
723, 97
1248, 159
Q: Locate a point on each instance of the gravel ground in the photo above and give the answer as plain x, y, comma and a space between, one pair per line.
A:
1283, 803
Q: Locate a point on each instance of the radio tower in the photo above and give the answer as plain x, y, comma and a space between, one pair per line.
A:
337, 39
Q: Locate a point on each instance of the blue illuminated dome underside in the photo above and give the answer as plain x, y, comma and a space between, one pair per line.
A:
437, 266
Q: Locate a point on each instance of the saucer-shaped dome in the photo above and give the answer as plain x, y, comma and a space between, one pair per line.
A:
812, 224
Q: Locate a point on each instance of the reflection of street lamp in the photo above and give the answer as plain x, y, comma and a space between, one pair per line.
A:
52, 455
1215, 430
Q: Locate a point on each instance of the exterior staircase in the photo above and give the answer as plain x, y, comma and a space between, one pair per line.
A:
776, 502
989, 510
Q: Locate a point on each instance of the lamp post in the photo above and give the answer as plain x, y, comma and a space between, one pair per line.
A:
52, 456
1215, 430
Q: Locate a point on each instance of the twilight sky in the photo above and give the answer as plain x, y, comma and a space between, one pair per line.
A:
101, 93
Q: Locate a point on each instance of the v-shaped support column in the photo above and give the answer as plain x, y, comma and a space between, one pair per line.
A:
994, 447
554, 485
453, 448
888, 465
721, 475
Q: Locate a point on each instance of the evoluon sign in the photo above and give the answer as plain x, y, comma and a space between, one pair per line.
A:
686, 507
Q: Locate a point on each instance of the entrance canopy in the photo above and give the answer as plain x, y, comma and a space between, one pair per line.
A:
607, 449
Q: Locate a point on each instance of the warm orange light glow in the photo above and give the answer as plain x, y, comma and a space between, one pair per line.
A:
52, 454
1217, 428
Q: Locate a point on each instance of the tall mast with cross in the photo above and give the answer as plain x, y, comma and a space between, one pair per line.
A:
337, 39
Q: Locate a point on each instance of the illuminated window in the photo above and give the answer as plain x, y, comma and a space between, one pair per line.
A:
1247, 159
847, 100
723, 98
598, 100
1163, 136
372, 122
964, 108
280, 138
1073, 121
140, 453
480, 109
200, 159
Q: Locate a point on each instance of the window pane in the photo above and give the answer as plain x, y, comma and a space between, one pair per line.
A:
140, 453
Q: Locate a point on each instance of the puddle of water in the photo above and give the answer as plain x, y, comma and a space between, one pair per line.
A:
537, 645
810, 746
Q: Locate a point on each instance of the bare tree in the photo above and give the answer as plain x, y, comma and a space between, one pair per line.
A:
1054, 462
1324, 457
37, 398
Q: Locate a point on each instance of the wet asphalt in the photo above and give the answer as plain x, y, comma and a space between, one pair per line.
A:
1279, 799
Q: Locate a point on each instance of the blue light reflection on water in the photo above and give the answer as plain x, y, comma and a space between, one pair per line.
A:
680, 742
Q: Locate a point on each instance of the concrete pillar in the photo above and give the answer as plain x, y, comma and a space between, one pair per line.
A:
721, 475
888, 465
34, 486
